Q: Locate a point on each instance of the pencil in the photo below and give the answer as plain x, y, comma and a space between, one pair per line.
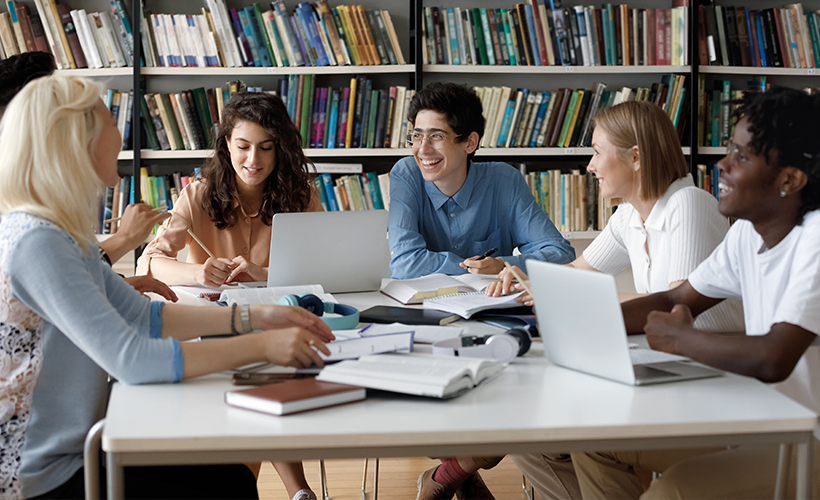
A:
115, 219
201, 244
519, 278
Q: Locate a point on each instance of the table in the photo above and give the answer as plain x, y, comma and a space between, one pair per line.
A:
532, 406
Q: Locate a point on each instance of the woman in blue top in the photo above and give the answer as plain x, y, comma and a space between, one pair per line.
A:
60, 146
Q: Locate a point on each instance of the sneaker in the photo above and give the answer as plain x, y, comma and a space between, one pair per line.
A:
428, 489
473, 488
304, 495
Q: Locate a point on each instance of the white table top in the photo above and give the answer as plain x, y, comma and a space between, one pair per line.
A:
531, 402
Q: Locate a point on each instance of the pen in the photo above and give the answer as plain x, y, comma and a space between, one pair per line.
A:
488, 253
201, 244
365, 328
518, 277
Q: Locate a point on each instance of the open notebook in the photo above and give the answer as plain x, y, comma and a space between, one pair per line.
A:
467, 304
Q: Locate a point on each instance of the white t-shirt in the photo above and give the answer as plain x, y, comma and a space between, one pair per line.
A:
681, 231
778, 285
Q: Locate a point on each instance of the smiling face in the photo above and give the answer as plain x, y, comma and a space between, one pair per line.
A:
252, 155
617, 177
446, 165
104, 156
748, 187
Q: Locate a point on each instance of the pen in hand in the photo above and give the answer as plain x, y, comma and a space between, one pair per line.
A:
488, 253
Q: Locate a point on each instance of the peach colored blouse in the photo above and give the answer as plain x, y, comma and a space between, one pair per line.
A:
249, 237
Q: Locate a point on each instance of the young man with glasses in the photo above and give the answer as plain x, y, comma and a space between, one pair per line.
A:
447, 211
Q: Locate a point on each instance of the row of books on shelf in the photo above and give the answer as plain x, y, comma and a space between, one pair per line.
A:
784, 37
716, 106
366, 191
532, 34
157, 191
76, 39
121, 104
312, 34
572, 199
562, 118
708, 177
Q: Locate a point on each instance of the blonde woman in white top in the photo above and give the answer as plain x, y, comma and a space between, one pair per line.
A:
665, 227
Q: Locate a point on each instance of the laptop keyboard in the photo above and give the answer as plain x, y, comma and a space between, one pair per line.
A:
643, 372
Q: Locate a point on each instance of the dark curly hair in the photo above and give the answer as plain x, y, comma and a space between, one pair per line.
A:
287, 189
785, 127
17, 71
459, 103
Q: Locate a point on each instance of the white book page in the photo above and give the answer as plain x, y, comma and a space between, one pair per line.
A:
243, 296
477, 281
425, 334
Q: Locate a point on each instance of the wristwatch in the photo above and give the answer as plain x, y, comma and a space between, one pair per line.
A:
244, 317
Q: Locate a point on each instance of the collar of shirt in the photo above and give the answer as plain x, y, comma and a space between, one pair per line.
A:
238, 205
657, 217
462, 196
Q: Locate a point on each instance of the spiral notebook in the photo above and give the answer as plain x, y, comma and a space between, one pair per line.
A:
467, 304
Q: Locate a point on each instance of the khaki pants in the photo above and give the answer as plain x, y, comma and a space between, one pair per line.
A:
552, 476
739, 472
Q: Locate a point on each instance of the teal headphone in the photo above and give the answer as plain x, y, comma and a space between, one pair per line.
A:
349, 314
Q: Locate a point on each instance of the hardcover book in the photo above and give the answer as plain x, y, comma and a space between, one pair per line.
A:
293, 396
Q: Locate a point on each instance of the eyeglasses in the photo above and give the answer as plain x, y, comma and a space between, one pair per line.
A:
734, 152
436, 140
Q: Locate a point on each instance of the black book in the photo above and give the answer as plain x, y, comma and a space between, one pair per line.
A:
619, 61
770, 27
712, 31
731, 37
582, 112
358, 115
573, 39
381, 118
406, 315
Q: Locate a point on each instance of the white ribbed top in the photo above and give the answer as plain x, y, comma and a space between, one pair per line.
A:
682, 229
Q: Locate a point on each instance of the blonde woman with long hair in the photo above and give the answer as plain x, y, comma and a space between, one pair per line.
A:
60, 146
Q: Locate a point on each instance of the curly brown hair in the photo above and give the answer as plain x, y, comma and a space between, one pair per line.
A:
287, 189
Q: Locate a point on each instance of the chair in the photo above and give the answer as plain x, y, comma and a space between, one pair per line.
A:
91, 461
375, 480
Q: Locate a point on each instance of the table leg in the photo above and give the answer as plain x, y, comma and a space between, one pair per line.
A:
804, 470
116, 481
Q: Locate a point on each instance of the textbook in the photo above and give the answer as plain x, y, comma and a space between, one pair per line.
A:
294, 396
467, 304
241, 296
406, 315
352, 348
418, 374
414, 291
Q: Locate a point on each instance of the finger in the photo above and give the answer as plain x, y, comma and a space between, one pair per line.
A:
315, 358
319, 346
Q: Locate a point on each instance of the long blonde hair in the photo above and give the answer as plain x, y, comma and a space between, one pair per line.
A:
644, 124
47, 136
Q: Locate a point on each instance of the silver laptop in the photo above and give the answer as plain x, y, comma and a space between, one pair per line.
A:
342, 251
580, 321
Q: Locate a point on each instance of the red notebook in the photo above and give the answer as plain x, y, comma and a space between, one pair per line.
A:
294, 396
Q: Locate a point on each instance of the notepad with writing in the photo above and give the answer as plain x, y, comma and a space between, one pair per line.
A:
294, 396
418, 374
467, 304
414, 291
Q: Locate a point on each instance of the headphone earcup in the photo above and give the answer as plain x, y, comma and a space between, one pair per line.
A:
313, 304
502, 347
523, 338
289, 300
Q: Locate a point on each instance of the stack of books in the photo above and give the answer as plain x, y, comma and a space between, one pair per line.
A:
533, 34
311, 34
76, 39
784, 37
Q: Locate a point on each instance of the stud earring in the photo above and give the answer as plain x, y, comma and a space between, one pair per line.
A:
782, 194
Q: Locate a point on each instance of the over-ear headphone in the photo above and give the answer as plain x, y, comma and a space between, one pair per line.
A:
503, 347
349, 315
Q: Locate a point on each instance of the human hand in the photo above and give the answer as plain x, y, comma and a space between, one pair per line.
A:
251, 270
663, 329
138, 219
144, 284
487, 265
265, 317
293, 346
214, 272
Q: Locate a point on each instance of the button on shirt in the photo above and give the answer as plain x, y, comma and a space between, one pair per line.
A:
430, 232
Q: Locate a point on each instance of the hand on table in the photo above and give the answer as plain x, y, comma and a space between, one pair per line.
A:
144, 284
663, 329
214, 272
486, 265
294, 346
266, 317
506, 286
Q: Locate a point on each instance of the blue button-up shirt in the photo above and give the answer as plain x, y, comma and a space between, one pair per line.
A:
431, 232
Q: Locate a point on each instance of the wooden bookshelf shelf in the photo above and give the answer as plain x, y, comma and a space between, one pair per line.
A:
149, 154
463, 68
747, 70
91, 73
545, 151
712, 151
301, 70
125, 155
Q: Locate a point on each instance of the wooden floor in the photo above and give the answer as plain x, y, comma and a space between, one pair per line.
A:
397, 479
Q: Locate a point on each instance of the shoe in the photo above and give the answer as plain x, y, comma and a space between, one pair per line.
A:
428, 489
473, 488
304, 495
